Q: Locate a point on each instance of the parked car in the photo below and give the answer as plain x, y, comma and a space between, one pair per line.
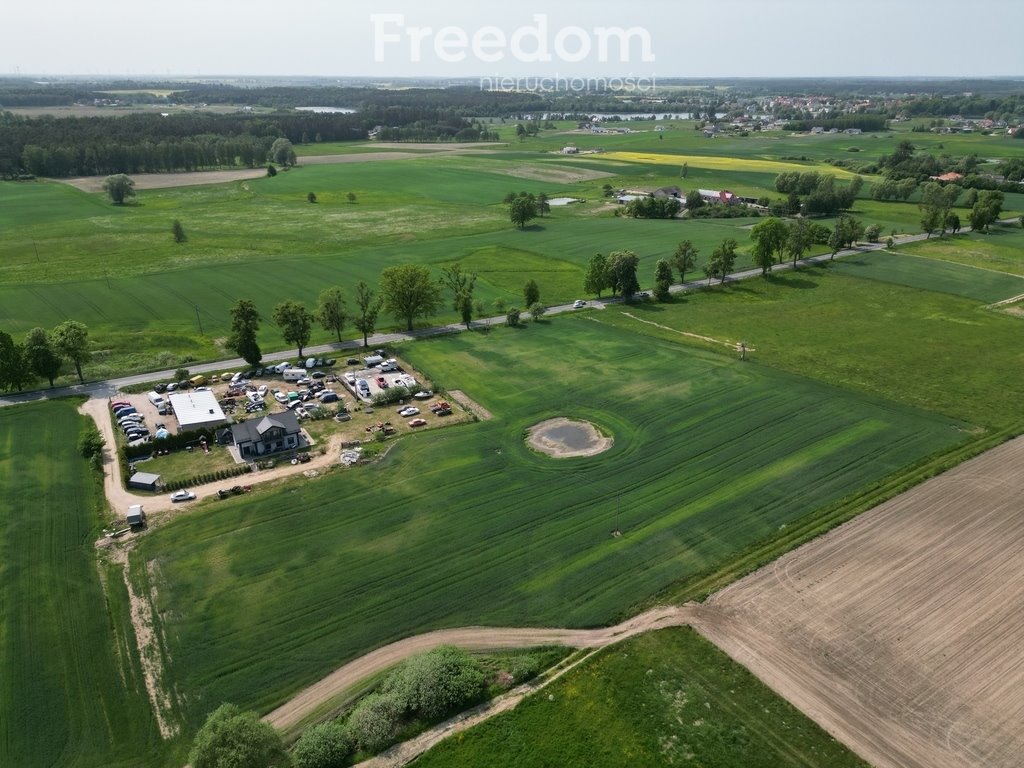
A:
304, 381
349, 377
329, 397
262, 391
329, 362
281, 397
579, 303
184, 384
424, 394
362, 387
407, 411
417, 422
382, 382
319, 375
182, 495
172, 386
160, 388
352, 361
119, 404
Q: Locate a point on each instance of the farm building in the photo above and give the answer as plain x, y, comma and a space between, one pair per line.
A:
144, 481
196, 410
135, 515
271, 434
715, 196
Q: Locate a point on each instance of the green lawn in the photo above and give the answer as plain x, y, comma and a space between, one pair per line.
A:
469, 526
72, 692
1002, 250
664, 698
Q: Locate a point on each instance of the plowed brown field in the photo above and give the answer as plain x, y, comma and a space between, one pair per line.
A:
901, 632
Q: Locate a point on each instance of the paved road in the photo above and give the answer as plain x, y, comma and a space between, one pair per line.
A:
105, 389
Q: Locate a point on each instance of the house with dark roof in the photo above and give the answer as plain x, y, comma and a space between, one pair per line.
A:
271, 434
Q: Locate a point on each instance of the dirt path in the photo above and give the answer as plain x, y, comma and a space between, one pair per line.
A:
471, 638
901, 632
470, 404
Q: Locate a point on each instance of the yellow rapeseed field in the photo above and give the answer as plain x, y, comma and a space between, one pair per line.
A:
719, 163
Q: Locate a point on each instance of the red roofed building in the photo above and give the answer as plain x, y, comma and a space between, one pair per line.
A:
951, 176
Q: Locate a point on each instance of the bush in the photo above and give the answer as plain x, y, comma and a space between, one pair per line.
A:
327, 745
374, 723
391, 395
432, 684
872, 233
231, 737
90, 444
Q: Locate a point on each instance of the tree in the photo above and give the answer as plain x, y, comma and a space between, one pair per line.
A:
231, 738
543, 206
684, 259
799, 238
596, 279
512, 317
14, 371
769, 236
295, 322
282, 152
409, 292
935, 205
40, 356
723, 259
330, 311
499, 305
874, 232
537, 311
952, 223
461, 285
245, 322
118, 187
351, 197
71, 340
694, 200
326, 745
521, 211
986, 210
271, 170
531, 293
622, 266
311, 197
178, 232
369, 305
662, 280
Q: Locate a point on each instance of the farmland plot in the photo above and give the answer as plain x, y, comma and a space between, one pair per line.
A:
470, 526
71, 691
900, 632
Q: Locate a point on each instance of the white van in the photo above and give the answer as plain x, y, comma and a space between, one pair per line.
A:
281, 367
372, 360
155, 399
389, 365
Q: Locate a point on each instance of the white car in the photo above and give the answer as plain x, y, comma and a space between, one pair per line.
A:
349, 377
262, 391
578, 304
281, 397
182, 495
409, 410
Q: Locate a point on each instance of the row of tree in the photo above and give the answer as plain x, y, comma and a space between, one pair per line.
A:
41, 354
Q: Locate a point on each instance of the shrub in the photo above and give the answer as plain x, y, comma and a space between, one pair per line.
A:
327, 745
231, 737
374, 723
432, 684
391, 395
90, 444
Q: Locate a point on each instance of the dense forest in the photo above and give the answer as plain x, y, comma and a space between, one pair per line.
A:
151, 143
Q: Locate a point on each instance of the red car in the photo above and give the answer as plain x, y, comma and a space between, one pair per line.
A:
417, 422
119, 404
382, 382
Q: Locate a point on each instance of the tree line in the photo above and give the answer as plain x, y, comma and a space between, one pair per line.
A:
42, 354
150, 143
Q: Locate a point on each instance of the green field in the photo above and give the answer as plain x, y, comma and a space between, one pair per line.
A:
941, 276
930, 350
665, 698
1002, 250
469, 526
72, 691
152, 304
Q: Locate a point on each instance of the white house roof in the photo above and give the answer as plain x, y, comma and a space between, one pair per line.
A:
196, 409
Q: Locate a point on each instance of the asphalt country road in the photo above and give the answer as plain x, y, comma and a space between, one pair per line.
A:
109, 387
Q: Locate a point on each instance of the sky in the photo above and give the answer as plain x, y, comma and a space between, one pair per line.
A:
567, 38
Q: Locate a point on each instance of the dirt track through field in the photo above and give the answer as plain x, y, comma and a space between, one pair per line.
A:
900, 632
471, 638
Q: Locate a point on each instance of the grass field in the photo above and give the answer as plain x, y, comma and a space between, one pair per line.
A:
468, 526
67, 253
1002, 250
665, 698
72, 691
914, 271
933, 351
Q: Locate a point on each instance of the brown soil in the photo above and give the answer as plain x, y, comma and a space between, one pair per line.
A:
556, 175
472, 406
539, 440
900, 632
167, 180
